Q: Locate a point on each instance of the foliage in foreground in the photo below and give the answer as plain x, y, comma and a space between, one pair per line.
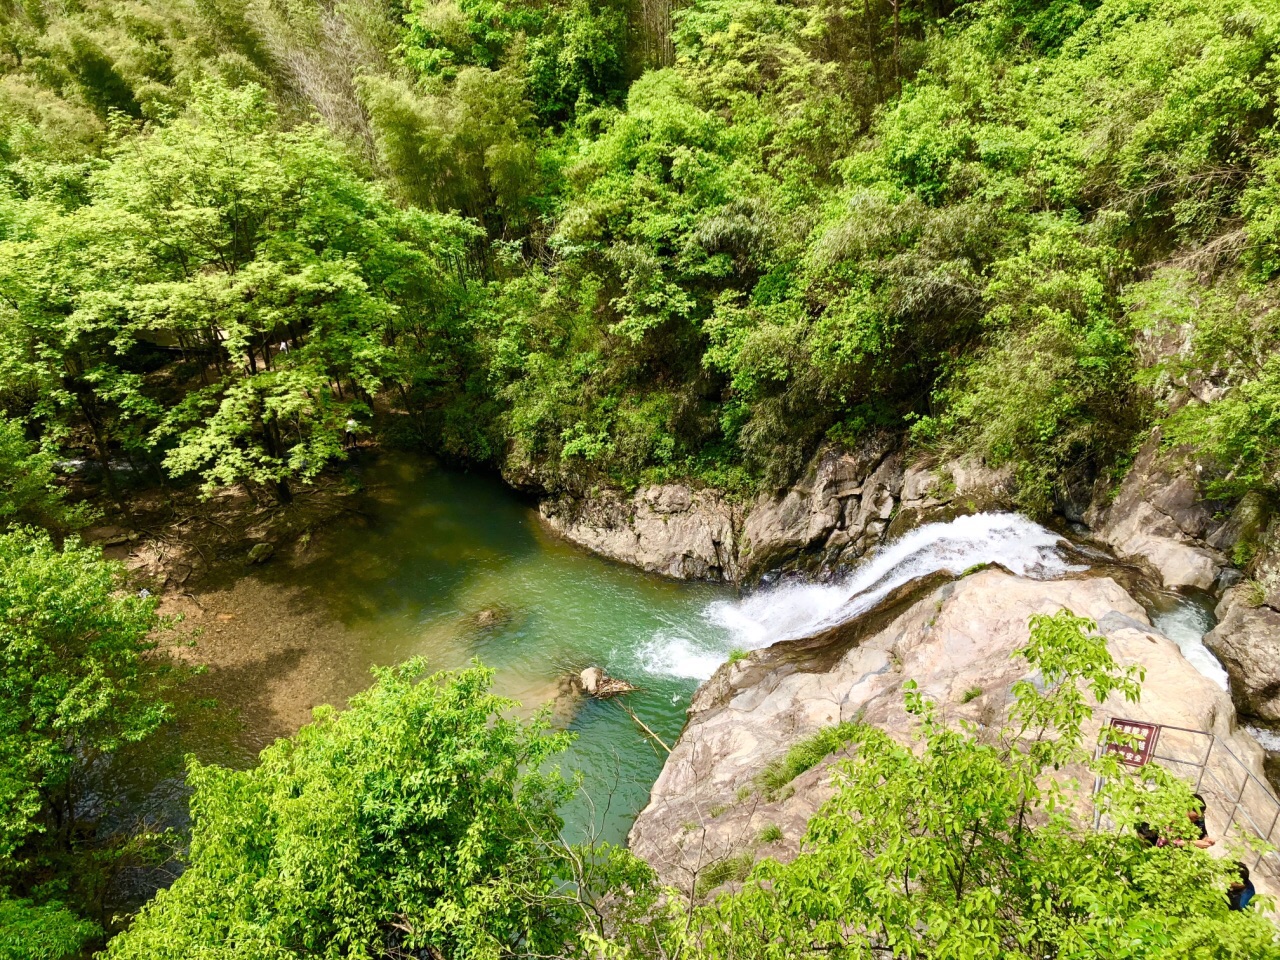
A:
421, 823
961, 846
74, 689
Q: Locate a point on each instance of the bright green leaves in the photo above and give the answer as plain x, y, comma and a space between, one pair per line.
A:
73, 676
44, 932
565, 54
958, 846
420, 819
1226, 333
28, 487
1066, 654
289, 286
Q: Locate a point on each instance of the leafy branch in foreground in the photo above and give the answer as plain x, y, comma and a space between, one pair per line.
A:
965, 845
421, 822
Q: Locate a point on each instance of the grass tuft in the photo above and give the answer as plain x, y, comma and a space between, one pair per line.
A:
724, 871
805, 755
770, 834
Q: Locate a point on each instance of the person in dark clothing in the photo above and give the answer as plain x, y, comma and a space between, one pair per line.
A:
1196, 816
1149, 835
1241, 892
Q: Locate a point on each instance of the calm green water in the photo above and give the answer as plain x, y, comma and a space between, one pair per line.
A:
441, 547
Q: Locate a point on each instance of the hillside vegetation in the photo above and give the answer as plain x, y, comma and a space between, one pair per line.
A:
1029, 229
601, 242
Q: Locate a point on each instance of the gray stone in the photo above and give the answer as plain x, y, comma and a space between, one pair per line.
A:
1158, 519
1247, 641
706, 806
838, 511
668, 529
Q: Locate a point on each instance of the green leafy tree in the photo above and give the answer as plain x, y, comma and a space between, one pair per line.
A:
416, 823
284, 280
45, 932
29, 492
966, 844
71, 655
74, 688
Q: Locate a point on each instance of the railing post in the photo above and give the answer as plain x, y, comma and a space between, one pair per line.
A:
1239, 796
1204, 764
1267, 839
1097, 789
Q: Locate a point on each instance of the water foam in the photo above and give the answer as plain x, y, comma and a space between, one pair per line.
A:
793, 610
1269, 740
1186, 623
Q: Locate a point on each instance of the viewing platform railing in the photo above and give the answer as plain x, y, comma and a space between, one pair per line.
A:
1239, 804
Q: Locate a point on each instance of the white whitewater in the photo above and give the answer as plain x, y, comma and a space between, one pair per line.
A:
1186, 623
792, 610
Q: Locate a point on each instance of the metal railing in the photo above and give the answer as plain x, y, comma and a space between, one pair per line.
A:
1194, 755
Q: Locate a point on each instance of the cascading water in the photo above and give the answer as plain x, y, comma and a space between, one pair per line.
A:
798, 609
1185, 620
792, 610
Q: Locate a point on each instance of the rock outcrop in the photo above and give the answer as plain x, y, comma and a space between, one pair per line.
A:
1247, 641
954, 640
846, 503
668, 529
1158, 518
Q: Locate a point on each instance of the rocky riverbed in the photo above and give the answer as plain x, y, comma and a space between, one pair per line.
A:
1153, 530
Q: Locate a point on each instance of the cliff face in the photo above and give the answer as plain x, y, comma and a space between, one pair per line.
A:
952, 639
846, 504
849, 502
1157, 517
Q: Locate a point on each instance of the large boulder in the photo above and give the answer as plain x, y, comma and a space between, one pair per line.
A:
1158, 518
1247, 641
837, 511
669, 529
955, 641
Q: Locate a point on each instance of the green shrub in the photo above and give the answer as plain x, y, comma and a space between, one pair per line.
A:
805, 755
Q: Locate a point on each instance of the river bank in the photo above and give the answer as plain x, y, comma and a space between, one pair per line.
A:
401, 558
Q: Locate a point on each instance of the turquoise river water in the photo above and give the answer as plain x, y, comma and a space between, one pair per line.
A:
455, 567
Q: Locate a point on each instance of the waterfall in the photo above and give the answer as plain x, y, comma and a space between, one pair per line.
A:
794, 609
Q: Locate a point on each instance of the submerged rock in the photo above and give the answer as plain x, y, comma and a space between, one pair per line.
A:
490, 617
952, 639
595, 682
260, 553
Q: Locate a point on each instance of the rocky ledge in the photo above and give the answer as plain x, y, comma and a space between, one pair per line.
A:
954, 639
847, 502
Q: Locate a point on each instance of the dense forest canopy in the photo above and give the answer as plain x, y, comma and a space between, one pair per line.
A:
598, 242
584, 242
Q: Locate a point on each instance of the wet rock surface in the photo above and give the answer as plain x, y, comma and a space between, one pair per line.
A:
1247, 641
952, 639
1158, 518
668, 529
846, 504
